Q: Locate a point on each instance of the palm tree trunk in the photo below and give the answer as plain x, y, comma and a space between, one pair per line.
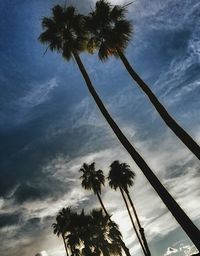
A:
167, 118
65, 245
141, 229
134, 227
126, 250
102, 205
181, 217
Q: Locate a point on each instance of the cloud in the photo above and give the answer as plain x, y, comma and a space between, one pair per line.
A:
84, 114
27, 192
181, 248
7, 220
170, 251
114, 2
38, 94
42, 253
173, 165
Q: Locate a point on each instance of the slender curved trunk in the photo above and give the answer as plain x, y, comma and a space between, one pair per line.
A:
134, 227
167, 118
65, 245
181, 217
141, 229
126, 250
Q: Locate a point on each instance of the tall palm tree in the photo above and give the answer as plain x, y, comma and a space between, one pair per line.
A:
122, 177
93, 179
110, 33
65, 34
61, 225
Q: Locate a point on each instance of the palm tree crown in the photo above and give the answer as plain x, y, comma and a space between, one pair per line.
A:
62, 221
120, 176
64, 31
108, 28
92, 179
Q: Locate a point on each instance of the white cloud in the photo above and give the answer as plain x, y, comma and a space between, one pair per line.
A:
114, 1
170, 251
181, 248
1, 202
86, 113
42, 253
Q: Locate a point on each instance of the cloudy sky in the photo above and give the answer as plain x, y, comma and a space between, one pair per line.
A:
50, 126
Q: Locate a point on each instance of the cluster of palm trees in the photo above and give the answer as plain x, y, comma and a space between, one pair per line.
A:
81, 233
87, 234
106, 30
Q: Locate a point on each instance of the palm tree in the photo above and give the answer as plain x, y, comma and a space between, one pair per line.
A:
78, 234
61, 225
106, 235
64, 34
110, 33
122, 177
94, 180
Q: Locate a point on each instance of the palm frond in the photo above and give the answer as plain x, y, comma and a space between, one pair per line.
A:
108, 28
120, 176
64, 32
103, 52
92, 179
117, 13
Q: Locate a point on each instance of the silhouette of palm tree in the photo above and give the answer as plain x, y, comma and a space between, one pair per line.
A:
94, 180
110, 33
77, 233
106, 235
122, 177
61, 225
65, 34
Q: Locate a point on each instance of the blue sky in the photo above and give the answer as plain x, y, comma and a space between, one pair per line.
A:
49, 124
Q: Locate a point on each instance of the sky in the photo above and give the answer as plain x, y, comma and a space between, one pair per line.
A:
50, 125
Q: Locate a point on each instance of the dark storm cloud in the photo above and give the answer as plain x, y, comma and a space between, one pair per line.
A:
41, 189
24, 156
29, 226
27, 192
9, 219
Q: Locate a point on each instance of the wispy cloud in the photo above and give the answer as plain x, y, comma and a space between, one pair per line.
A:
38, 94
